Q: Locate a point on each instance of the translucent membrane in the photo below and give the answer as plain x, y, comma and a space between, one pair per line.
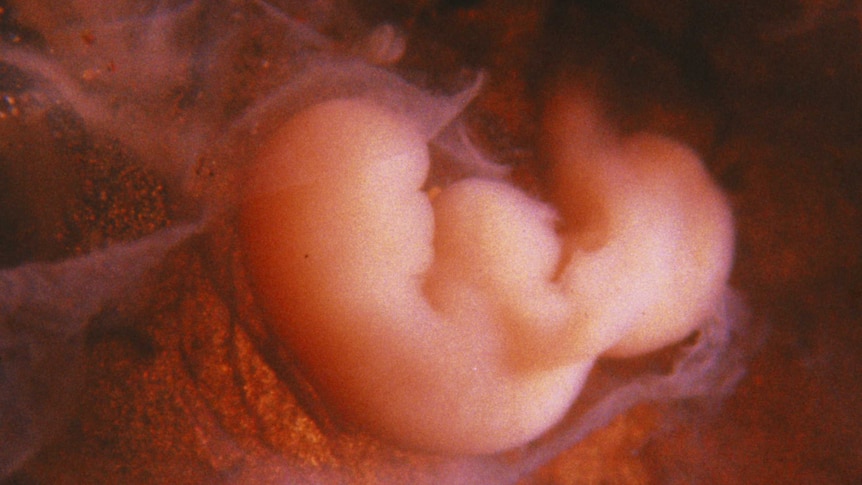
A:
191, 91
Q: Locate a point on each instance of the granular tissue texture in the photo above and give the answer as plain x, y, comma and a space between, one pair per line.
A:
145, 337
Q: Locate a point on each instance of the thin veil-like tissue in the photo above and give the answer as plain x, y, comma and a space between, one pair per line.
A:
189, 90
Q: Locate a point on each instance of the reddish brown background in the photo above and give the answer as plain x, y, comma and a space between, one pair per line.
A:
769, 92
